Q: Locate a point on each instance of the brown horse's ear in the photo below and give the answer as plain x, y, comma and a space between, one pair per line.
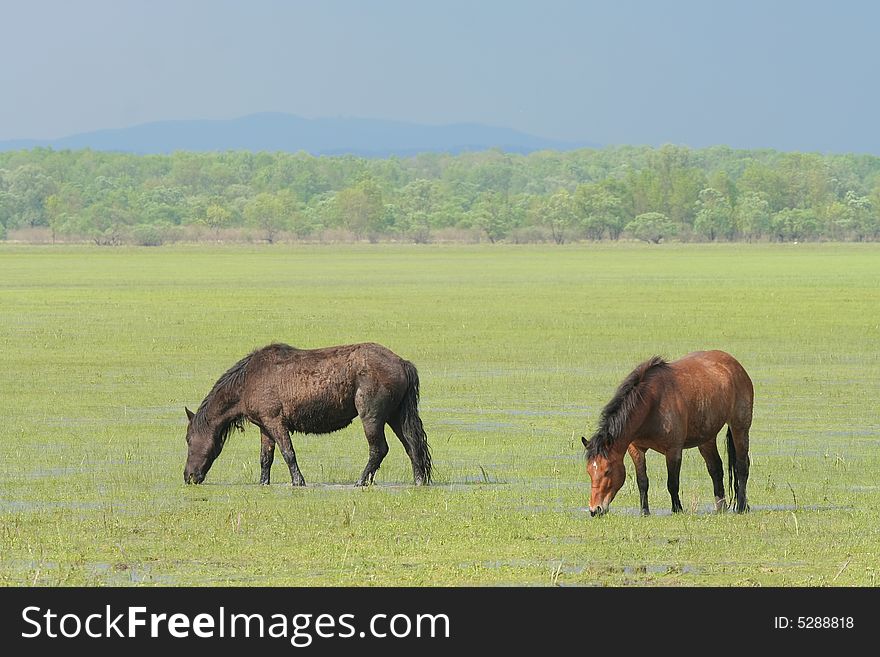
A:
585, 441
189, 414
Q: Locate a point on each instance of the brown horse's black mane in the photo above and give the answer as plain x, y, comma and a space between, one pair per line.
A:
618, 411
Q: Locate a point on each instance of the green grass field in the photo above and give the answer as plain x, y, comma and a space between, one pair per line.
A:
518, 348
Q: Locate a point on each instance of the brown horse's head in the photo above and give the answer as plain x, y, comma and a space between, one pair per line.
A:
202, 449
607, 475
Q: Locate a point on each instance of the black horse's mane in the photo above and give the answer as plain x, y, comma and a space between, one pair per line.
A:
227, 385
617, 412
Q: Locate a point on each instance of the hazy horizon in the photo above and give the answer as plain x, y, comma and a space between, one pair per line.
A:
785, 75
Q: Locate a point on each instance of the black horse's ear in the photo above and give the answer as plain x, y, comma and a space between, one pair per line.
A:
585, 441
189, 414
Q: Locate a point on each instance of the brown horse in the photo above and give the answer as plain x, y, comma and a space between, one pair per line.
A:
281, 389
669, 407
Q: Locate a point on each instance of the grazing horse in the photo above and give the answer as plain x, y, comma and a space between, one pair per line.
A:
668, 407
281, 389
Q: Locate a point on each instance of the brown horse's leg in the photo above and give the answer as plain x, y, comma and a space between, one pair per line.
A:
375, 432
709, 450
638, 457
280, 435
267, 455
741, 467
673, 470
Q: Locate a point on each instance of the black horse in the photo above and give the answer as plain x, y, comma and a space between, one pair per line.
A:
281, 389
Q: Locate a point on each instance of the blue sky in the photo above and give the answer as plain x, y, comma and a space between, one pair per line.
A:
776, 74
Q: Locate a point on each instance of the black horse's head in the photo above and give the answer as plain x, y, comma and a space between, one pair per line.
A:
203, 446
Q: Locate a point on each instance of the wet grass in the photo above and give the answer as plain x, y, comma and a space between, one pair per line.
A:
518, 348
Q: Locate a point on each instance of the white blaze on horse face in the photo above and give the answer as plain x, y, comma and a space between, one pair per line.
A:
593, 471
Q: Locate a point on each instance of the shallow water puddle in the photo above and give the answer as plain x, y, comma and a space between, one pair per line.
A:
581, 568
108, 574
33, 505
710, 510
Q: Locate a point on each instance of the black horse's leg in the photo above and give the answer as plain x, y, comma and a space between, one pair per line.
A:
375, 432
741, 443
638, 457
280, 435
673, 470
267, 455
397, 428
714, 465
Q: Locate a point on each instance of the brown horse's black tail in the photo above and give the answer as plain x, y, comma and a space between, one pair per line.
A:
411, 425
732, 484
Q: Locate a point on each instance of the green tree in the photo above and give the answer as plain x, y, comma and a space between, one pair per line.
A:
599, 210
872, 220
647, 191
714, 217
683, 193
862, 212
27, 187
492, 214
63, 208
56, 210
753, 215
360, 209
268, 212
723, 183
794, 224
218, 217
652, 227
761, 178
106, 222
162, 204
106, 195
148, 235
557, 212
418, 209
806, 180
840, 220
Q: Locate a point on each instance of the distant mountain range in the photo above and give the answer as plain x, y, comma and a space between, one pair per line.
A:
285, 132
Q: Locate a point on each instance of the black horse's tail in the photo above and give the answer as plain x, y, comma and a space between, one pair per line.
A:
732, 484
411, 426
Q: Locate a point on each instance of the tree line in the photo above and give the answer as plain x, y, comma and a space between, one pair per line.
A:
650, 194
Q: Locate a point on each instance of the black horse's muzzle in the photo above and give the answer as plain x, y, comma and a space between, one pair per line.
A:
193, 477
